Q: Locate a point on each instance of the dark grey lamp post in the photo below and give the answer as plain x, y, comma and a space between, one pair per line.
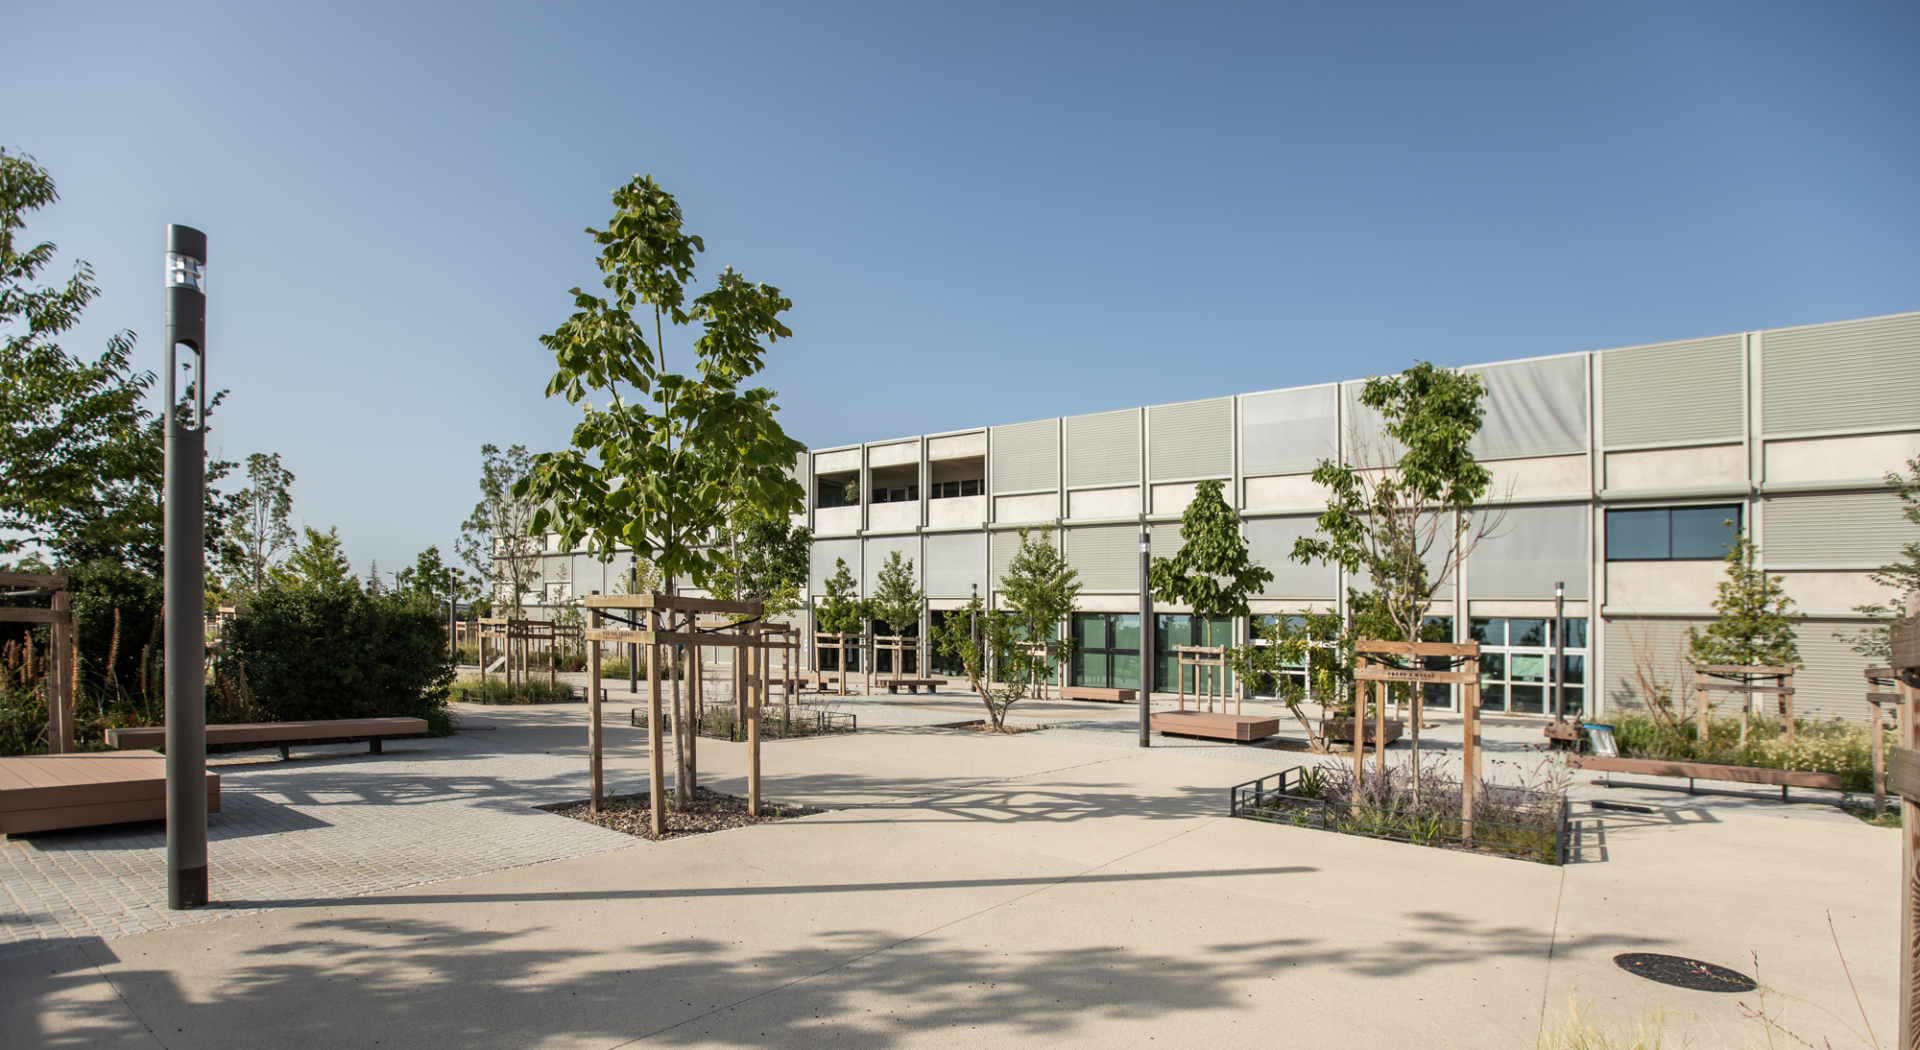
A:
1146, 639
185, 568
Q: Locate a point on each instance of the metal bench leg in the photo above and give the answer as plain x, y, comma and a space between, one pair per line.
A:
1783, 792
373, 747
286, 752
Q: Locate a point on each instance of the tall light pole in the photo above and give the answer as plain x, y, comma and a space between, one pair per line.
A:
1146, 638
185, 568
1559, 678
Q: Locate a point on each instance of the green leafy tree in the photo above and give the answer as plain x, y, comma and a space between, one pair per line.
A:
499, 539
1037, 592
1212, 572
1756, 622
317, 564
842, 612
433, 580
766, 563
897, 599
258, 533
81, 456
1303, 657
1903, 576
663, 460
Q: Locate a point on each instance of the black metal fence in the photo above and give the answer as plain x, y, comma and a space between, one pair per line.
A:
1283, 798
722, 722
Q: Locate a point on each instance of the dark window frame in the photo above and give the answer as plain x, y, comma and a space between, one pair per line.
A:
1735, 511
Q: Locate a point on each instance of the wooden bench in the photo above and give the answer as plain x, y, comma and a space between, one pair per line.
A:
52, 792
281, 734
1238, 728
1692, 771
912, 684
1100, 693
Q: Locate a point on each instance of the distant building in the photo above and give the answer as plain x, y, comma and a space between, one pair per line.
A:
1622, 466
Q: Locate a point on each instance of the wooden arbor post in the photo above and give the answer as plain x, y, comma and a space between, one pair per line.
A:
62, 666
1365, 671
1904, 778
658, 623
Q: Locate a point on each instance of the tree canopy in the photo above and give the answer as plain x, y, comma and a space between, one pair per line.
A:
1212, 572
659, 464
1756, 623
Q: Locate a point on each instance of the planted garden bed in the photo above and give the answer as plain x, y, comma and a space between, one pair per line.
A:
722, 722
1525, 822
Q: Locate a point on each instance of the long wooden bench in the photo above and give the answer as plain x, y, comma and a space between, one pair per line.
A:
913, 684
281, 734
1100, 693
1238, 728
1692, 771
52, 792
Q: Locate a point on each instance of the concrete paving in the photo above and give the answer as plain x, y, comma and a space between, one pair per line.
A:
969, 890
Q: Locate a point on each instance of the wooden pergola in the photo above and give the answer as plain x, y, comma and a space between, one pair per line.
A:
1366, 670
656, 621
1209, 663
63, 656
1749, 681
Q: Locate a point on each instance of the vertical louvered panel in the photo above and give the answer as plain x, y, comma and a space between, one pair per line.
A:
956, 564
1534, 408
1674, 393
1190, 440
1533, 548
1853, 374
1107, 557
822, 563
1642, 653
1830, 685
1270, 544
877, 550
1026, 456
1103, 449
1857, 530
1289, 431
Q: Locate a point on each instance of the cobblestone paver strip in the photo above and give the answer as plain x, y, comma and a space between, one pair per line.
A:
335, 822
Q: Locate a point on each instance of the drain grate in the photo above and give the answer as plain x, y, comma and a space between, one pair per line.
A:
1684, 973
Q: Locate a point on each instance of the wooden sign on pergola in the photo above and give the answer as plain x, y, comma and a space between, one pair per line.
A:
655, 621
63, 663
1365, 670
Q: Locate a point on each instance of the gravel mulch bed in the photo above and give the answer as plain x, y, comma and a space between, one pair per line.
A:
984, 726
712, 811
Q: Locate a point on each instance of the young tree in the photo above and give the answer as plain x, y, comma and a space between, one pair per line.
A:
661, 478
1755, 624
81, 459
1316, 646
1038, 591
432, 579
1212, 573
897, 599
375, 585
258, 532
500, 539
843, 612
317, 564
992, 652
1401, 512
766, 563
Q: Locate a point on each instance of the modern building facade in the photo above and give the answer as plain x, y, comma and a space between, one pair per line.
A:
1616, 472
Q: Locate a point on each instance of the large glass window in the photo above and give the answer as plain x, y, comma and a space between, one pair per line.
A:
954, 489
1176, 629
1672, 533
1106, 650
837, 492
896, 494
1516, 657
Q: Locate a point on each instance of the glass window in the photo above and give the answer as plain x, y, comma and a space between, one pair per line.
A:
1672, 533
1107, 650
1704, 532
1489, 630
1527, 632
842, 492
948, 489
1176, 629
1637, 535
1515, 674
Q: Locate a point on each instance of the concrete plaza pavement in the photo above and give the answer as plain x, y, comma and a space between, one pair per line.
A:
969, 890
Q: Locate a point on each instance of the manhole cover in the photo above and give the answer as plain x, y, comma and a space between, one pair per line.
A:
1684, 973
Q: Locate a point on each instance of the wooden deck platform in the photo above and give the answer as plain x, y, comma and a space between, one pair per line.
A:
283, 734
1239, 728
51, 792
1340, 730
1100, 693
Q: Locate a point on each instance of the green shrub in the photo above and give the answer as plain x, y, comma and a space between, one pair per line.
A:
309, 653
1834, 746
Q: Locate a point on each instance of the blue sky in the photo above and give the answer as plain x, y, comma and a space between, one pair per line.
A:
984, 213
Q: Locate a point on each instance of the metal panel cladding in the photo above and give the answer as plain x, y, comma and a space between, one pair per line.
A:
1190, 440
1026, 456
1687, 392
1852, 375
1103, 449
